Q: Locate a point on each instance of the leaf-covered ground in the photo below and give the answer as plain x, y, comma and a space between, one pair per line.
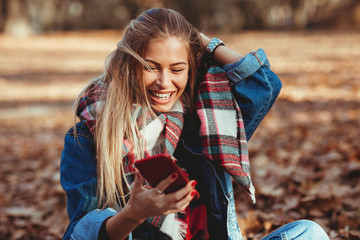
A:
305, 156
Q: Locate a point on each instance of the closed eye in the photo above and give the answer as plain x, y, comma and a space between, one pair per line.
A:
150, 68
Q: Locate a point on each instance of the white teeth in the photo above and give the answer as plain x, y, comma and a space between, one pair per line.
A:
161, 95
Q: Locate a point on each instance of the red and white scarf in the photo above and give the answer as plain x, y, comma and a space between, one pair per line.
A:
222, 134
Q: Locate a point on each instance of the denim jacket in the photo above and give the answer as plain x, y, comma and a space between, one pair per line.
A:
255, 88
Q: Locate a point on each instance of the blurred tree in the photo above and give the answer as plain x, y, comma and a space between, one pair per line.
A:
24, 17
17, 21
3, 10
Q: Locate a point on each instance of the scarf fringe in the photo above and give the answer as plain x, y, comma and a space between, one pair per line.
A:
173, 227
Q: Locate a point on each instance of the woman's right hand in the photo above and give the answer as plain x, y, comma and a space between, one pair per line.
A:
147, 203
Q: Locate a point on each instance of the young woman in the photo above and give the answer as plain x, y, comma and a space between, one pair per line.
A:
161, 94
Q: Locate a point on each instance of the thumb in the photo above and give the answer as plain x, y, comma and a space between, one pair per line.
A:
138, 182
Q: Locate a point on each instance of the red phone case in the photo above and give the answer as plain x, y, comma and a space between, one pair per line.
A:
156, 168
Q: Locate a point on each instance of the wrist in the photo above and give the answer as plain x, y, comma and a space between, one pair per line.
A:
213, 45
132, 215
127, 219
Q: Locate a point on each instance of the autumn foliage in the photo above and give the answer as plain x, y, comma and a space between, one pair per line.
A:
305, 156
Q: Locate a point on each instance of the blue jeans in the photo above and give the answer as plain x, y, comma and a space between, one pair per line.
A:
299, 230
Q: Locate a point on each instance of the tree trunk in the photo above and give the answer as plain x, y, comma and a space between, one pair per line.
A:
17, 22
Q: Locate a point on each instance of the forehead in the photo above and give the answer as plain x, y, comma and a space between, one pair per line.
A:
167, 49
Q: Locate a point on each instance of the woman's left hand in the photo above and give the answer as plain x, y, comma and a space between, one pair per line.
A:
222, 54
205, 39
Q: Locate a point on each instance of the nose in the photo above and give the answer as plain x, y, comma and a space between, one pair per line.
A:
163, 79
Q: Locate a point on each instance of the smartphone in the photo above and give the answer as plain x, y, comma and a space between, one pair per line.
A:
156, 168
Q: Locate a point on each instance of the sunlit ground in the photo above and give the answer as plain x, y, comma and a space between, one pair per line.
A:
305, 155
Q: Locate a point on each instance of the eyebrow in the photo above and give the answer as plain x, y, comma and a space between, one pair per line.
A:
173, 64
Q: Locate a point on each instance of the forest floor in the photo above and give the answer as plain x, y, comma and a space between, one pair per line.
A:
305, 155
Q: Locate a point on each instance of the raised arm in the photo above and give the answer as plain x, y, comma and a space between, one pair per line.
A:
222, 54
254, 85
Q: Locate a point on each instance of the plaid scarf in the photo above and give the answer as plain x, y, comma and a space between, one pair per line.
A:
222, 130
222, 135
161, 134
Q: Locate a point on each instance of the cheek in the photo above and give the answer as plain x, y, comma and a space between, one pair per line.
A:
148, 78
182, 82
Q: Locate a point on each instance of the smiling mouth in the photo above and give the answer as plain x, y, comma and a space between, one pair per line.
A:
162, 96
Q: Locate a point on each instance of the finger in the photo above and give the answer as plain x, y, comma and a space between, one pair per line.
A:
184, 202
139, 180
166, 182
158, 191
183, 192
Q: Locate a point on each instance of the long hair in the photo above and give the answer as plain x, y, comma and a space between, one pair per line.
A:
126, 88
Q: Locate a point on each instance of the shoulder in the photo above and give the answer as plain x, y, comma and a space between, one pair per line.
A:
79, 141
81, 129
78, 157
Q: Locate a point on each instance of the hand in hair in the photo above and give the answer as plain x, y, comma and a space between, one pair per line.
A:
222, 54
145, 203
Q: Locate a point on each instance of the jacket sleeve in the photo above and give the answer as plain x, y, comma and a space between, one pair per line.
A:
79, 180
255, 88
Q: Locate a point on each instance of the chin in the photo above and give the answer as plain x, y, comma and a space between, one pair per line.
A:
162, 109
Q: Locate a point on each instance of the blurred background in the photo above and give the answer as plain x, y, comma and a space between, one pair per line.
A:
24, 17
305, 155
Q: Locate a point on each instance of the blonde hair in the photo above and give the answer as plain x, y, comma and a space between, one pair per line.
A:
124, 88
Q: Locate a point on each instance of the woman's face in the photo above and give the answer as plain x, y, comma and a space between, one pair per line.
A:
168, 60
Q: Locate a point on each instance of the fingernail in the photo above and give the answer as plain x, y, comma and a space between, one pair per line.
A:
193, 184
137, 173
197, 195
174, 175
193, 193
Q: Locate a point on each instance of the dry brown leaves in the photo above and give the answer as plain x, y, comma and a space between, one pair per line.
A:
305, 155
